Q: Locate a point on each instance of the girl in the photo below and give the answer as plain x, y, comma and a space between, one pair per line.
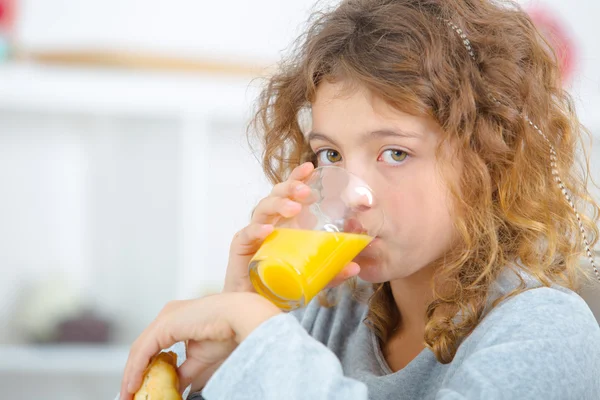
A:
452, 111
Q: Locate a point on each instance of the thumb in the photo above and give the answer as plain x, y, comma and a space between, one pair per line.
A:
349, 271
197, 373
189, 371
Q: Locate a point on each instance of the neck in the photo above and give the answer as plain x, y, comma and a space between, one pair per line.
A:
412, 294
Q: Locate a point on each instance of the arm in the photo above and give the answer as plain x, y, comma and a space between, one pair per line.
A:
283, 360
280, 360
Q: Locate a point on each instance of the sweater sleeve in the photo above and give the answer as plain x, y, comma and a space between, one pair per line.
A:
279, 360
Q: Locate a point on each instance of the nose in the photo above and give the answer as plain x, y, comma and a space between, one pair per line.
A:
365, 214
359, 197
358, 194
346, 198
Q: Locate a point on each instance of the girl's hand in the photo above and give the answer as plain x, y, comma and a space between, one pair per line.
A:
212, 326
285, 201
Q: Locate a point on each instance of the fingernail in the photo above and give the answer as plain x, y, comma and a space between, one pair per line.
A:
291, 205
299, 187
130, 388
353, 270
267, 228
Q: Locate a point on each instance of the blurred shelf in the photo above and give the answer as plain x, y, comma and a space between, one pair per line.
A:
51, 88
27, 86
63, 359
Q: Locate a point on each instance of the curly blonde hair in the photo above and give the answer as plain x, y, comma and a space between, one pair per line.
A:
509, 210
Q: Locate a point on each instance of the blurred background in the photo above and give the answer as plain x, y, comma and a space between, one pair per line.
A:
125, 170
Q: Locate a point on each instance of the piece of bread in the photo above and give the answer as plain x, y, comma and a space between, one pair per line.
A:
160, 379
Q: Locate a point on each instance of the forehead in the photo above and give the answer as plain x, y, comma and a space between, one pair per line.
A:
353, 109
349, 97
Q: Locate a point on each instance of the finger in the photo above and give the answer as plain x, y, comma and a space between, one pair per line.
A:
155, 338
270, 209
348, 272
125, 394
138, 361
292, 189
249, 239
302, 171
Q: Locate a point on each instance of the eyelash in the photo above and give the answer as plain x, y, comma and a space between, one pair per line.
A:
321, 152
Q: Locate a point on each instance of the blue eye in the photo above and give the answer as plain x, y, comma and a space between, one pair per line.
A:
328, 156
393, 156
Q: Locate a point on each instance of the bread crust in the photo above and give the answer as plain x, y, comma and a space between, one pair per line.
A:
160, 379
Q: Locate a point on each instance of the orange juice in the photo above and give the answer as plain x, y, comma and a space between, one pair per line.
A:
293, 265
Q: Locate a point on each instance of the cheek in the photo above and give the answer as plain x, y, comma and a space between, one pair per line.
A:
406, 203
417, 211
402, 211
436, 216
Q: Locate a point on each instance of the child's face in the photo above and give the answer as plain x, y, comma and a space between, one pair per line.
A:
395, 154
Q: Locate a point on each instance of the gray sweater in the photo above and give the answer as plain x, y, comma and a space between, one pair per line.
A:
541, 344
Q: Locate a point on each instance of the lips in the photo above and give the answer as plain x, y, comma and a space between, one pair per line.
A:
376, 240
371, 250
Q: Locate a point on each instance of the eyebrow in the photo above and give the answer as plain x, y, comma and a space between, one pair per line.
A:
381, 133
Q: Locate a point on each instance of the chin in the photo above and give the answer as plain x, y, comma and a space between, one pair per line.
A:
371, 270
376, 266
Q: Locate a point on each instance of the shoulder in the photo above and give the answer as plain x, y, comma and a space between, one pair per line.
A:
537, 312
541, 339
542, 312
539, 343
